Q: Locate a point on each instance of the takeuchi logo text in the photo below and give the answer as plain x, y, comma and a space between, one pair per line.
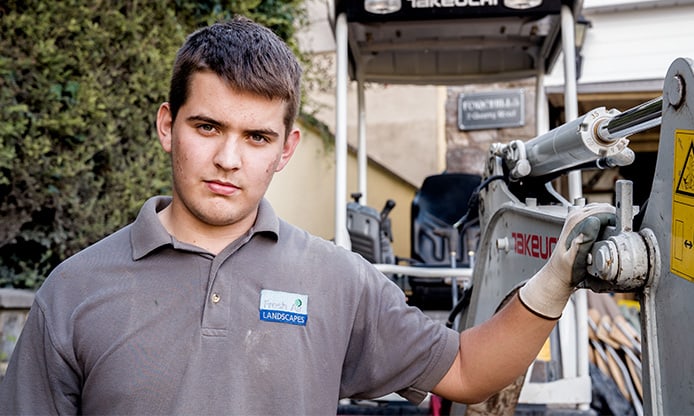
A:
421, 4
533, 245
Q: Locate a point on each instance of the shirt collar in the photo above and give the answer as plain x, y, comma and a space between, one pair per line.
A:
148, 233
267, 221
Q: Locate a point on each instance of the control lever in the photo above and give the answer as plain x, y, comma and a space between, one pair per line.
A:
390, 204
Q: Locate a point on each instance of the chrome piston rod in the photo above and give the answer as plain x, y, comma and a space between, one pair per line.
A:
635, 120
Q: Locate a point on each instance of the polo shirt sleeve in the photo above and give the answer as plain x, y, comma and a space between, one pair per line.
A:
38, 379
394, 347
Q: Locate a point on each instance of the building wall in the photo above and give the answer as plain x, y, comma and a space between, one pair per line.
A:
632, 40
404, 123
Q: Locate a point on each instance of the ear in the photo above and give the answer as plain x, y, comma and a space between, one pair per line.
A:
288, 148
164, 126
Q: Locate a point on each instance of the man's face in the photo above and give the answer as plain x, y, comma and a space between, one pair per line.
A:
225, 146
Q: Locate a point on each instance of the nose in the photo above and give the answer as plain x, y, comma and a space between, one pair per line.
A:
228, 153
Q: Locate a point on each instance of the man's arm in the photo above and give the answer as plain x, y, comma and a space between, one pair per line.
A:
492, 355
495, 353
37, 377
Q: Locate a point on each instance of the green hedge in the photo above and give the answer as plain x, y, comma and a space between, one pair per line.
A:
80, 84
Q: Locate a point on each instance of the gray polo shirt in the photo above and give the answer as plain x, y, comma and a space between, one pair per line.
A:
279, 322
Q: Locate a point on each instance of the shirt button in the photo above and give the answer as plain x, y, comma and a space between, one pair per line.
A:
216, 298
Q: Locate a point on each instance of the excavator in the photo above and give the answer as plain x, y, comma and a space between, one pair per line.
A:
515, 208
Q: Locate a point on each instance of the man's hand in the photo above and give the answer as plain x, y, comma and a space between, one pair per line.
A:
547, 292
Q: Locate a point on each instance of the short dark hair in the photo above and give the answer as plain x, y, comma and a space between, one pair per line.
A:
247, 56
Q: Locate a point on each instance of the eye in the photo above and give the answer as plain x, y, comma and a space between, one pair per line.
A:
258, 138
206, 129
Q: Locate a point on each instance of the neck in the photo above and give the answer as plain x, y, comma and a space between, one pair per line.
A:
212, 238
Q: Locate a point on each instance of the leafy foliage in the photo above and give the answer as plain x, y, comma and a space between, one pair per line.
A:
80, 84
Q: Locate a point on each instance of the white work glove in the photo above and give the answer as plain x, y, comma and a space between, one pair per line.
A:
548, 291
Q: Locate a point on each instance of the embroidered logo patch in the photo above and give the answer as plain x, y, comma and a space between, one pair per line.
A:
283, 307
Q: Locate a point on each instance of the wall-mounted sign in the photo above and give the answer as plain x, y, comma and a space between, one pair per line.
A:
491, 110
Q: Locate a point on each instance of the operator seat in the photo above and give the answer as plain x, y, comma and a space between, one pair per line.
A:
438, 204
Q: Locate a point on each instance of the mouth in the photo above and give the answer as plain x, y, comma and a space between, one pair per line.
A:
221, 187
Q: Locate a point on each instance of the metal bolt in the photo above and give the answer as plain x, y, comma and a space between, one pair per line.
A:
674, 91
604, 261
502, 244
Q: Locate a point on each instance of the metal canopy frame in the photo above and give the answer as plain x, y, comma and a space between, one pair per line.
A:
453, 42
467, 41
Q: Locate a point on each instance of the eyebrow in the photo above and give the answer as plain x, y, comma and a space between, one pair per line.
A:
263, 132
206, 120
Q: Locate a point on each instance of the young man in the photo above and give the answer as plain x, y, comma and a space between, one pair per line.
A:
209, 304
